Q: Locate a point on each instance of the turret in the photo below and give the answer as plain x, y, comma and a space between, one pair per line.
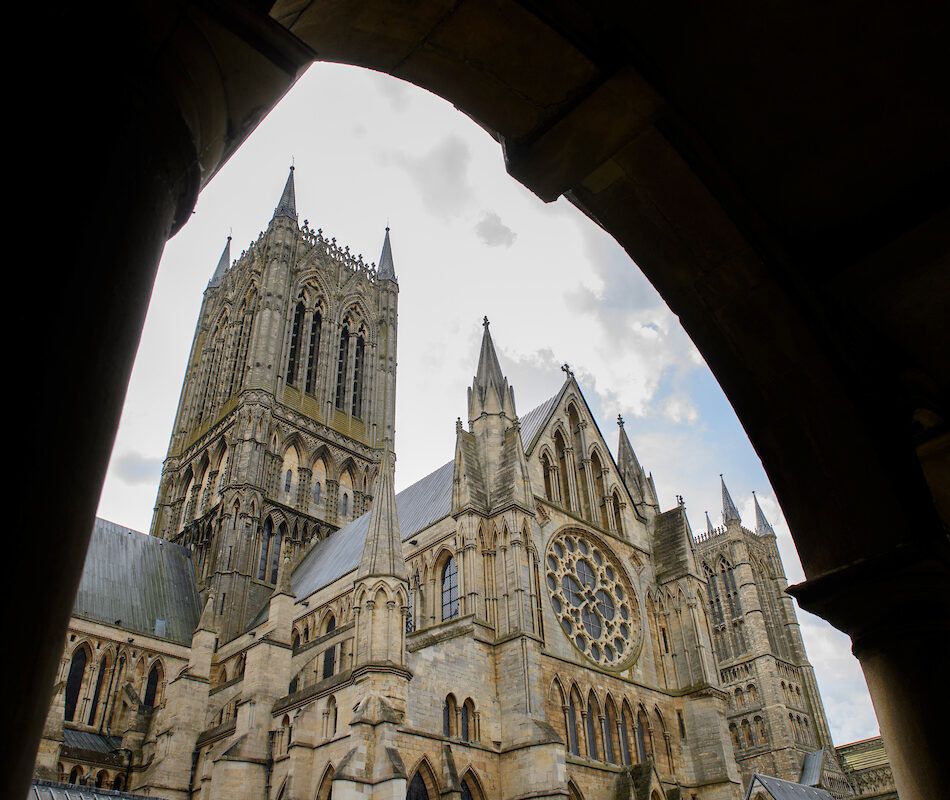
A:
730, 514
287, 205
762, 526
638, 482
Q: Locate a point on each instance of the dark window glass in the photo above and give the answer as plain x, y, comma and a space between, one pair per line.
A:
450, 590
77, 669
358, 378
292, 358
151, 687
95, 695
313, 353
341, 367
417, 789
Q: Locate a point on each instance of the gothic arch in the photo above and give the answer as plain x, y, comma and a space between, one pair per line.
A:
470, 779
325, 787
428, 775
573, 792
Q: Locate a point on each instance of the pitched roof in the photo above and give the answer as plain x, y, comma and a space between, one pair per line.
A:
786, 790
863, 754
139, 583
418, 506
85, 740
52, 790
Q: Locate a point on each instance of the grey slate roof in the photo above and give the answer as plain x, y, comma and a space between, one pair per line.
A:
418, 506
785, 790
811, 768
84, 740
140, 583
51, 790
534, 420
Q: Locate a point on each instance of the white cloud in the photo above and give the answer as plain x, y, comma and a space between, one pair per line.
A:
134, 468
398, 93
440, 175
493, 232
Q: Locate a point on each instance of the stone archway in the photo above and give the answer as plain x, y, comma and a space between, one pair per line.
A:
745, 177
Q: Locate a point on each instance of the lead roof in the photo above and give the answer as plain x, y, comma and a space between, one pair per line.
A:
139, 583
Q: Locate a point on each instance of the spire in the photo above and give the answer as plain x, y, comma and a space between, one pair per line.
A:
386, 270
223, 263
489, 375
382, 551
709, 525
729, 511
287, 207
627, 459
762, 526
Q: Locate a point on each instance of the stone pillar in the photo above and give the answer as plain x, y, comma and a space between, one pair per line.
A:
899, 627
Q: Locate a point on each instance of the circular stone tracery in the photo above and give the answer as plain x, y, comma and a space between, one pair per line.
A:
593, 599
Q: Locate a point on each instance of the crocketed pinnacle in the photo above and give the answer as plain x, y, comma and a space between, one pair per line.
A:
207, 622
762, 526
709, 525
223, 264
287, 207
489, 370
627, 459
382, 551
386, 269
729, 511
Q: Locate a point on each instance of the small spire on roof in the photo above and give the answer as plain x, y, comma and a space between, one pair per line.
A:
709, 525
386, 269
729, 511
762, 526
207, 623
223, 263
287, 207
382, 550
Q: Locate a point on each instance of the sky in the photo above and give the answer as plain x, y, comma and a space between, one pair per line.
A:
468, 241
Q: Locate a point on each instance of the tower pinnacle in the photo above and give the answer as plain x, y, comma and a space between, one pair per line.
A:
382, 551
490, 392
762, 526
223, 263
287, 206
386, 269
729, 511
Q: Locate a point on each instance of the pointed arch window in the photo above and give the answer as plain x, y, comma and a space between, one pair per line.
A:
450, 589
103, 665
288, 480
293, 356
341, 365
266, 535
560, 450
151, 687
592, 751
572, 742
358, 369
417, 789
275, 544
329, 657
77, 670
313, 352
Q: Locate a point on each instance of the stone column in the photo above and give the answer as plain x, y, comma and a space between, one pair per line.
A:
899, 627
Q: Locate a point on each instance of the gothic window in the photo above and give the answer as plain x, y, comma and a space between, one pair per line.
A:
313, 353
572, 742
75, 776
329, 657
103, 665
469, 733
77, 670
583, 495
294, 355
625, 727
592, 598
600, 492
331, 717
266, 536
358, 363
275, 544
618, 517
317, 492
609, 726
288, 480
417, 789
592, 710
466, 791
644, 736
341, 365
548, 477
561, 450
747, 736
152, 687
465, 725
449, 709
450, 589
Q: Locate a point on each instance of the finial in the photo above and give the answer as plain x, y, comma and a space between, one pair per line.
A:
484, 322
458, 424
620, 420
566, 369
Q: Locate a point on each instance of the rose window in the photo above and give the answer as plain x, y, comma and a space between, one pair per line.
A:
593, 599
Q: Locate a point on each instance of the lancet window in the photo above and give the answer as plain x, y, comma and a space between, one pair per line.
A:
313, 352
450, 589
341, 366
358, 370
293, 356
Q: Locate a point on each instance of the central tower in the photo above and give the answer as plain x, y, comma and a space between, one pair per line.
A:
288, 397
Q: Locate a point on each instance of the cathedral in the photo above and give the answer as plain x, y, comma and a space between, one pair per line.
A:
526, 621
